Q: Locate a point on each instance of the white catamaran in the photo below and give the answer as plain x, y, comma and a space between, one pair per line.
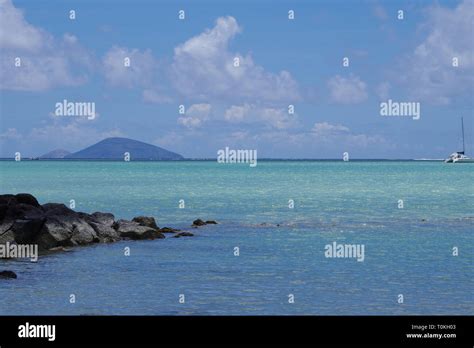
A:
459, 157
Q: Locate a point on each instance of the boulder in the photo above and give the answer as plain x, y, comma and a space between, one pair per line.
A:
52, 209
54, 233
7, 275
22, 211
82, 232
135, 231
211, 222
26, 230
147, 221
183, 234
8, 199
102, 223
7, 236
26, 198
198, 222
168, 230
105, 233
107, 219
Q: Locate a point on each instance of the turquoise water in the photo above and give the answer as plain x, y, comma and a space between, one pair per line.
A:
407, 251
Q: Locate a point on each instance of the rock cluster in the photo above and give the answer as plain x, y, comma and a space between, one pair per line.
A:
54, 226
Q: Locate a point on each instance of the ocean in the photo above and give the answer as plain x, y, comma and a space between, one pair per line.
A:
408, 215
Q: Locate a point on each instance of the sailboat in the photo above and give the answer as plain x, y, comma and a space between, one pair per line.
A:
459, 157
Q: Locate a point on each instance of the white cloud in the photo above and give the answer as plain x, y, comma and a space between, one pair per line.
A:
138, 73
325, 132
428, 71
237, 113
152, 96
46, 62
69, 135
271, 117
10, 134
195, 116
203, 68
350, 90
325, 128
17, 33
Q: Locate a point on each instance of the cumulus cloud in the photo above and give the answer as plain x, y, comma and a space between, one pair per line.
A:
271, 117
137, 72
429, 71
203, 68
46, 61
196, 116
325, 128
10, 134
325, 132
347, 90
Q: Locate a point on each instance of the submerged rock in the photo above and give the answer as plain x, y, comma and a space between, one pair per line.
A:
198, 222
183, 234
7, 275
168, 230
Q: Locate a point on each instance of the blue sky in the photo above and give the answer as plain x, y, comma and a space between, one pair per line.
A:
282, 62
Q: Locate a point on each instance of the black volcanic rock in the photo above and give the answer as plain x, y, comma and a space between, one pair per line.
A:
148, 221
114, 149
168, 230
133, 230
26, 198
183, 234
53, 226
8, 275
198, 222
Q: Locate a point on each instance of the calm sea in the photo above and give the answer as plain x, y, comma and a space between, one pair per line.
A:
408, 251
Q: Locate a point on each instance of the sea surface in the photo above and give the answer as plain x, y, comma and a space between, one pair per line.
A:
408, 251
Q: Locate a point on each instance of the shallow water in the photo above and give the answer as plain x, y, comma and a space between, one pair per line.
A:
407, 251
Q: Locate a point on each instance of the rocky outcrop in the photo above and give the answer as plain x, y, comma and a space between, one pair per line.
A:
133, 230
54, 226
183, 234
147, 221
199, 222
7, 275
168, 230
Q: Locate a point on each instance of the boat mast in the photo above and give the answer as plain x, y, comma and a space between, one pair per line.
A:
462, 127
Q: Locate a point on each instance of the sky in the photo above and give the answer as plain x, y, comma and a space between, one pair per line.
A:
237, 68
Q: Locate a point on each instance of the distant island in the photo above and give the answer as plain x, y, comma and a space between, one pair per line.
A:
115, 149
55, 154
